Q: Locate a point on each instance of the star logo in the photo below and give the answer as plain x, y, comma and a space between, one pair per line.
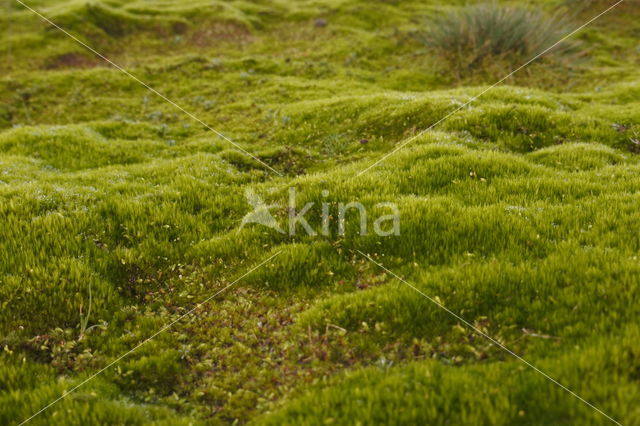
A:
261, 212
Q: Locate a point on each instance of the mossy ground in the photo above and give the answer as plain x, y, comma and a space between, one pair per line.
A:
519, 213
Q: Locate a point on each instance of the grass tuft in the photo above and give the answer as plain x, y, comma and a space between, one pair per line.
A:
477, 36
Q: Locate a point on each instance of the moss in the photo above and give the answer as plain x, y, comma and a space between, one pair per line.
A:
501, 393
518, 212
576, 157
